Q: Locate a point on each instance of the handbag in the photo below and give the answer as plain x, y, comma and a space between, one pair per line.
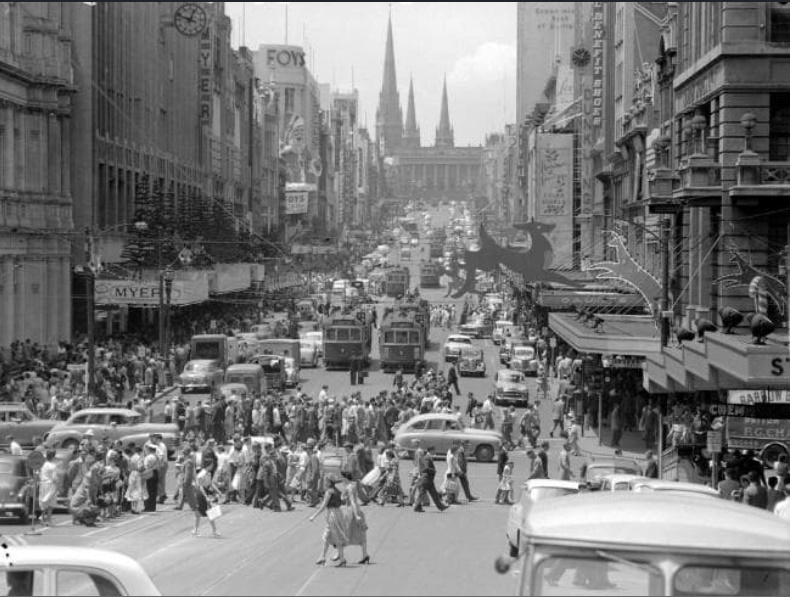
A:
214, 512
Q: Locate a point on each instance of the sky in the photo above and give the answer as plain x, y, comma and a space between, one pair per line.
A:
473, 43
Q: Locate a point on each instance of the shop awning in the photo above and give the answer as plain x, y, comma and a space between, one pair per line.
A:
627, 335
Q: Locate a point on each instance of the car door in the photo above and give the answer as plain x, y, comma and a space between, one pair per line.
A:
452, 432
434, 436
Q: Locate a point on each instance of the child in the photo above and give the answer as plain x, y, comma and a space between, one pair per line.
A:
504, 494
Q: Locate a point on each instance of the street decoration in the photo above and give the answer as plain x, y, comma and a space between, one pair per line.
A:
532, 264
626, 270
746, 273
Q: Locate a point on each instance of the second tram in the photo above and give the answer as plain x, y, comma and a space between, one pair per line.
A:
347, 334
397, 282
431, 275
401, 341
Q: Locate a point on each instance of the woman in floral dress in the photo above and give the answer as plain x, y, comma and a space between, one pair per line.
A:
392, 485
135, 492
354, 519
335, 532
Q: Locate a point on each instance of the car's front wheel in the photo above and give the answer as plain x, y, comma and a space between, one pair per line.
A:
484, 453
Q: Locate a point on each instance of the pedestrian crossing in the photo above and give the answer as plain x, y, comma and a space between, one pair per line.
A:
16, 540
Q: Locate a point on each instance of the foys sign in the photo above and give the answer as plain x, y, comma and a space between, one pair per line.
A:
285, 57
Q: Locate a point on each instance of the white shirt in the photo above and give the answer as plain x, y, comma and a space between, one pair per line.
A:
384, 462
322, 397
16, 449
782, 509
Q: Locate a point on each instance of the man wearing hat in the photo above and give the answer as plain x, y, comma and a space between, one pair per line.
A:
463, 479
312, 473
427, 472
350, 463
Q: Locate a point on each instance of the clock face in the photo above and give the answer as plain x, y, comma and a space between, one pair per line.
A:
190, 19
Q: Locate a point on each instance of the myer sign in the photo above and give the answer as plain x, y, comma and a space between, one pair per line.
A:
146, 294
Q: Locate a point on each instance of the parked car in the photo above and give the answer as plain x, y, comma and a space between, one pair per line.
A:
452, 348
273, 370
597, 469
291, 373
472, 362
510, 389
523, 359
650, 544
114, 423
473, 329
54, 570
440, 430
17, 420
501, 331
203, 376
16, 495
532, 492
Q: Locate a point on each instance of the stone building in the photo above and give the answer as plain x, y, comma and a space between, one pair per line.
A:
36, 135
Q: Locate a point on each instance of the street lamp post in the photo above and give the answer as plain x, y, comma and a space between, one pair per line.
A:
169, 276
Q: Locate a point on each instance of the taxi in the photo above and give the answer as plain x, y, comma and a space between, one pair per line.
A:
655, 543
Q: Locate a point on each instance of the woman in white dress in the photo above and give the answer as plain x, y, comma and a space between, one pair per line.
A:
135, 491
48, 487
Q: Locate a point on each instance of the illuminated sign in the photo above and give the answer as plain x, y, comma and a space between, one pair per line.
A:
598, 64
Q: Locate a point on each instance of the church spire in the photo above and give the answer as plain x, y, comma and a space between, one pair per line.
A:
411, 133
389, 116
445, 136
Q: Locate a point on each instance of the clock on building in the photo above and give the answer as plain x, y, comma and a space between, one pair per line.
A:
190, 19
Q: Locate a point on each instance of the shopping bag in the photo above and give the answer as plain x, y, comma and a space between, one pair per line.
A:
236, 483
372, 478
214, 512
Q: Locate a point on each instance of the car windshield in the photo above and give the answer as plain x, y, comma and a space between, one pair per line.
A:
561, 576
471, 352
596, 472
460, 340
525, 352
511, 377
718, 580
194, 367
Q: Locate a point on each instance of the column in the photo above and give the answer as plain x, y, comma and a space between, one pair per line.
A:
64, 296
52, 307
8, 298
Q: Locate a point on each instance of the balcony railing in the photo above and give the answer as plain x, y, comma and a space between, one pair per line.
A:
774, 173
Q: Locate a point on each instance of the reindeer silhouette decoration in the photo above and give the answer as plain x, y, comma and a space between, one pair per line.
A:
746, 273
532, 264
627, 271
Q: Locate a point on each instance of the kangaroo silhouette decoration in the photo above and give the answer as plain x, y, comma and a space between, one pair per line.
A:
746, 272
531, 264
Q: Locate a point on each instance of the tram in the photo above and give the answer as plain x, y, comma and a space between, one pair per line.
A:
430, 275
401, 340
397, 282
347, 333
422, 315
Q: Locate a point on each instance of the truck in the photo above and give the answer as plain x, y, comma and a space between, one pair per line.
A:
283, 348
215, 347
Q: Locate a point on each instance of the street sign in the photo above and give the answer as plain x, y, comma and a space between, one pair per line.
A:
715, 441
35, 460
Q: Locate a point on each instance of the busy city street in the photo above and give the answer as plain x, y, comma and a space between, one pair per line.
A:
395, 298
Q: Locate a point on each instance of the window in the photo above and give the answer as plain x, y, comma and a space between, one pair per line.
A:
290, 100
452, 426
343, 334
96, 419
414, 337
356, 335
780, 22
780, 127
418, 426
560, 576
703, 580
389, 337
77, 582
434, 425
331, 335
22, 582
401, 337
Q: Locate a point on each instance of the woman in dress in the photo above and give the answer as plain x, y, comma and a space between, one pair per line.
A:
135, 491
354, 519
392, 485
48, 487
205, 491
335, 532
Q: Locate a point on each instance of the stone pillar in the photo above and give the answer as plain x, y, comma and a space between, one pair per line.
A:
64, 300
8, 298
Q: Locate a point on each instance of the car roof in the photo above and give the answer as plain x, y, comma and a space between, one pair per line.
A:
664, 485
202, 361
663, 522
550, 484
108, 411
122, 567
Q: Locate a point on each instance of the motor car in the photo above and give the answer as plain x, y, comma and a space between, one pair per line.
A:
619, 482
16, 494
17, 420
114, 423
440, 430
532, 492
53, 570
473, 329
452, 348
501, 331
273, 370
472, 362
598, 468
523, 359
510, 389
308, 353
651, 544
291, 372
234, 393
201, 376
504, 354
673, 487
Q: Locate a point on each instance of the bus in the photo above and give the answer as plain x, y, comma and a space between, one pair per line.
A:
397, 282
421, 309
431, 275
401, 341
347, 333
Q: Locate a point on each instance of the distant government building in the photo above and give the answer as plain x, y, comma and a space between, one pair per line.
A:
442, 171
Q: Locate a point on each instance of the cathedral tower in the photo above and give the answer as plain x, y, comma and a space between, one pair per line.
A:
445, 137
389, 116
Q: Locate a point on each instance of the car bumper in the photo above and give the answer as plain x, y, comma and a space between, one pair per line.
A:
511, 399
13, 509
193, 386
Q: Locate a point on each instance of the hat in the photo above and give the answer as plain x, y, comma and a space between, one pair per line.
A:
311, 443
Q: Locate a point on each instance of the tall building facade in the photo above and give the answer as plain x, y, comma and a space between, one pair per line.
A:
36, 128
545, 36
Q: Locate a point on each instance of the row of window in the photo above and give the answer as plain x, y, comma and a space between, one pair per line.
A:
343, 335
402, 337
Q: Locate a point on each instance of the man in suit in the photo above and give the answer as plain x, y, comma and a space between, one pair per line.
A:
452, 379
427, 471
460, 457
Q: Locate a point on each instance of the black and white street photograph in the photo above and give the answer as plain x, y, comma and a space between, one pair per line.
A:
395, 299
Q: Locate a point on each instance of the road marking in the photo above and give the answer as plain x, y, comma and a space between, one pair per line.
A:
97, 531
309, 581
